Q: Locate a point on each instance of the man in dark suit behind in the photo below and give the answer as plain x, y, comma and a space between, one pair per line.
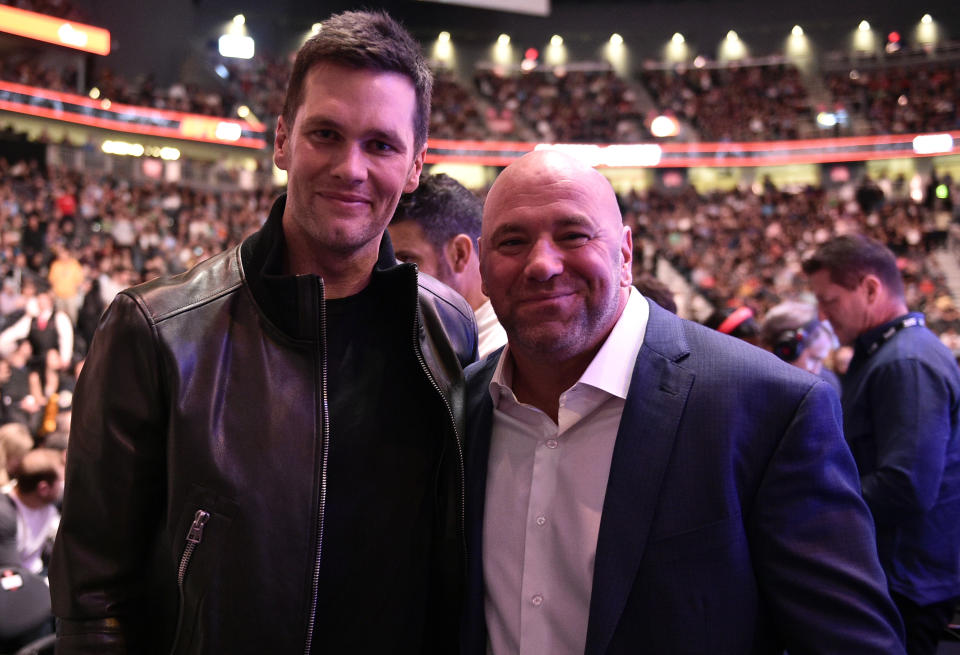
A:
639, 483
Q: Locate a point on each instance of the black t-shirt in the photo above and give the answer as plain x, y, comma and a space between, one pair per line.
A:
375, 567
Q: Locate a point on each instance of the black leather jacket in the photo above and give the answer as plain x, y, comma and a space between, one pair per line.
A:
196, 466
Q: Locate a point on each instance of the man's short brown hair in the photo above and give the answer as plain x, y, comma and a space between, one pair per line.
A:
365, 40
849, 257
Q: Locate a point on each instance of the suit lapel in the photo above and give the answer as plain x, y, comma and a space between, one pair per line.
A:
645, 438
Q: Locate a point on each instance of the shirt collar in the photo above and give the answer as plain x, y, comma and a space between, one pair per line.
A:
611, 368
871, 340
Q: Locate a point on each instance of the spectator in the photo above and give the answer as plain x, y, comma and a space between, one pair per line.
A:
37, 492
901, 416
792, 332
437, 227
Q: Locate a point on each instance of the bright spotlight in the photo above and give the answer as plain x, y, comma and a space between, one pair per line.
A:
677, 38
616, 39
864, 26
95, 93
444, 37
664, 126
732, 36
316, 28
243, 111
239, 20
927, 19
797, 30
503, 40
556, 40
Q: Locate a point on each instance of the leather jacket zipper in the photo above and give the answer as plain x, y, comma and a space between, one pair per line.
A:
194, 537
456, 433
193, 540
312, 618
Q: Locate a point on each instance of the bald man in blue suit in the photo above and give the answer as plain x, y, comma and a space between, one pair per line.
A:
637, 483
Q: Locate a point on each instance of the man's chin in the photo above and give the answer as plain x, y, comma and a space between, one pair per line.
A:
545, 338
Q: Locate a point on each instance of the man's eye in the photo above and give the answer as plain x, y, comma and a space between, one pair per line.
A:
382, 146
575, 237
325, 135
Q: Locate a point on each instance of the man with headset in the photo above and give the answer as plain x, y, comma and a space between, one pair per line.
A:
901, 416
792, 332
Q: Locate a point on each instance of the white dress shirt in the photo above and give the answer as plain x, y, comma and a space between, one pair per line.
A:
489, 330
546, 483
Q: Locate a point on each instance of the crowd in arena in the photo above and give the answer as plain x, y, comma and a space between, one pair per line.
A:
903, 99
751, 103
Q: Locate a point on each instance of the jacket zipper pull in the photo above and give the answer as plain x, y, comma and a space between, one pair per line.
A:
193, 538
196, 530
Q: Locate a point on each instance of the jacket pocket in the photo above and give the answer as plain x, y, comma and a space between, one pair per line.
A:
196, 546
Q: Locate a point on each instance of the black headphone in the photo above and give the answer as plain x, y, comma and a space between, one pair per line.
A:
790, 344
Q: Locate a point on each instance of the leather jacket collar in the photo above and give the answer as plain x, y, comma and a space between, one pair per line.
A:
280, 295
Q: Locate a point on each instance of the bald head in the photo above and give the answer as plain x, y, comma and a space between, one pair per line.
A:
555, 257
543, 170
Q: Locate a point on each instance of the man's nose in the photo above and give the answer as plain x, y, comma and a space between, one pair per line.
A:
350, 164
544, 261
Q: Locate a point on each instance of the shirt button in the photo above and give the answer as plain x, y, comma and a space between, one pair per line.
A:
552, 443
537, 600
541, 520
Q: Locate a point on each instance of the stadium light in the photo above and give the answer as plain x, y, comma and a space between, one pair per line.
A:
676, 50
502, 51
732, 48
237, 46
616, 53
664, 126
864, 40
443, 49
239, 20
798, 45
926, 33
556, 54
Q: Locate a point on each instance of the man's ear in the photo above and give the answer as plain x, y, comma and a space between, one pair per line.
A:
280, 155
626, 250
872, 286
413, 180
458, 252
483, 284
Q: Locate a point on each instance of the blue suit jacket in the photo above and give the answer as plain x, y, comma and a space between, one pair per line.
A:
732, 521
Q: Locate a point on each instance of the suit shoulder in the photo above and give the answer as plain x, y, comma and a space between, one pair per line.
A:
727, 358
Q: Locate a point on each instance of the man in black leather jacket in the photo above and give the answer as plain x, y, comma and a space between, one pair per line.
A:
266, 451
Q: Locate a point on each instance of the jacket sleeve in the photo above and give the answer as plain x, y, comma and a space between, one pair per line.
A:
815, 552
910, 403
114, 485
